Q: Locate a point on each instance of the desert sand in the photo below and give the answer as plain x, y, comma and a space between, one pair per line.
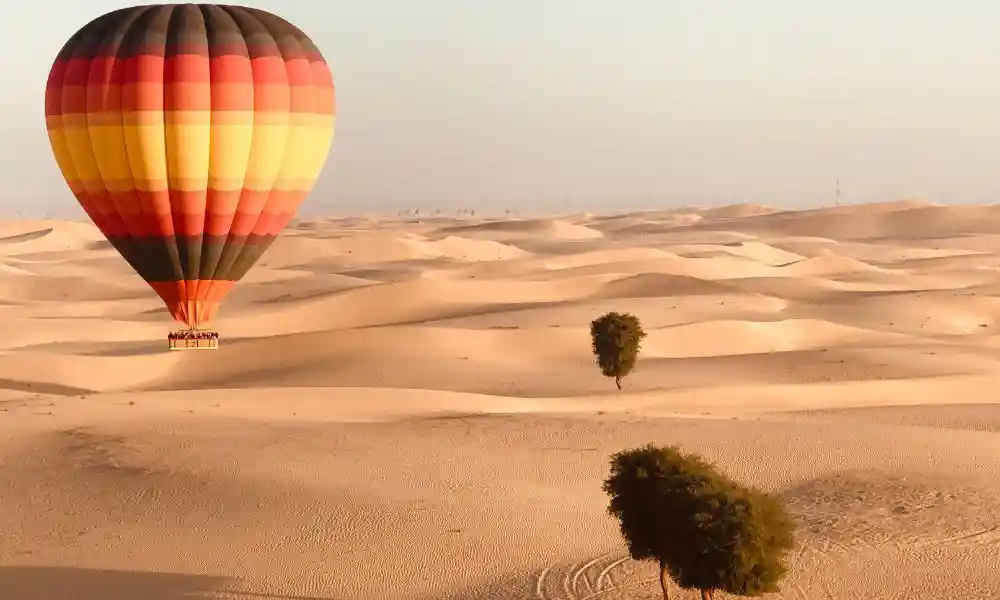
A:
408, 409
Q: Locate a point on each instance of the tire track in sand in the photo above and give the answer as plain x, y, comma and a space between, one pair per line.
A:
540, 583
584, 579
582, 572
606, 574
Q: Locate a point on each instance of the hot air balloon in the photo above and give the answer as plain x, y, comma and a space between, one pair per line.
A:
190, 134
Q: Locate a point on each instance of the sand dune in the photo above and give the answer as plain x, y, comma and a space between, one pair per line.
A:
658, 285
828, 265
465, 249
756, 251
20, 238
639, 225
507, 229
893, 221
737, 211
408, 408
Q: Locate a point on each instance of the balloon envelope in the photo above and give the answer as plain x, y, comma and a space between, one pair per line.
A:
190, 133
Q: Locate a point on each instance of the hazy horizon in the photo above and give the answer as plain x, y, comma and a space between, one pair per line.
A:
576, 106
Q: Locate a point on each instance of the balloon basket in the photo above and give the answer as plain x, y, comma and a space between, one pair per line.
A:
193, 339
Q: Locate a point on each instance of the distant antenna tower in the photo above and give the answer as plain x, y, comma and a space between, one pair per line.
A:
838, 191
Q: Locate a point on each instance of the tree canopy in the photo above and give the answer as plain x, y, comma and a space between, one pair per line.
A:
616, 339
703, 529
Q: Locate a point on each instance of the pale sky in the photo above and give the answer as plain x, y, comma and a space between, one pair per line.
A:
566, 105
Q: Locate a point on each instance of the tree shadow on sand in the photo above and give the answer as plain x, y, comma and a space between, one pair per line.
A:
62, 583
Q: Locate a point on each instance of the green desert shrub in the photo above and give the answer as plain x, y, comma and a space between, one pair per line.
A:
705, 531
615, 339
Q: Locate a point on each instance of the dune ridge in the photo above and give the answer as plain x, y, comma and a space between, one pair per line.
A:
408, 408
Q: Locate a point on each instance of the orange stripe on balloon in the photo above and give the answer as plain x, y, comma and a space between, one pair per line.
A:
156, 97
73, 99
251, 205
271, 223
193, 302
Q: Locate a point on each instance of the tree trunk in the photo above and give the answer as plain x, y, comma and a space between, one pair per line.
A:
708, 594
618, 382
664, 581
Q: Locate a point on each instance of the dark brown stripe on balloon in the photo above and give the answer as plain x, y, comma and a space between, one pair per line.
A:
175, 258
224, 36
160, 259
171, 29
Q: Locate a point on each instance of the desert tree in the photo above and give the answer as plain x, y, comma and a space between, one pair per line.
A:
616, 338
705, 531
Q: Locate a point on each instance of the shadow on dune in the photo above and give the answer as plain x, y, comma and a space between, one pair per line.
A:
99, 245
101, 348
41, 388
62, 583
25, 237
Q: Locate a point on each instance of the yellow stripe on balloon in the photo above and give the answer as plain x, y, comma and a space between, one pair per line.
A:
268, 150
305, 154
188, 146
111, 157
147, 155
79, 146
64, 157
230, 153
